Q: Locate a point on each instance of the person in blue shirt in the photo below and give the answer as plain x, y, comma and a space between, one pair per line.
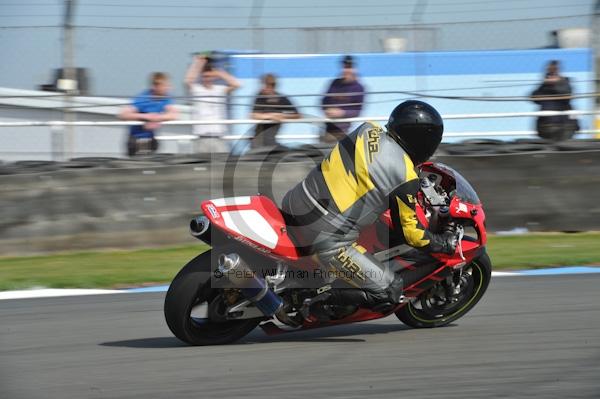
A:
152, 106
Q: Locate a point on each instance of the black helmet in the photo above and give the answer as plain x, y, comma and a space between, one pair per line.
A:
417, 127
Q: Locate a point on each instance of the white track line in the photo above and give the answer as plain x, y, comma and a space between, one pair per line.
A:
504, 274
55, 292
52, 292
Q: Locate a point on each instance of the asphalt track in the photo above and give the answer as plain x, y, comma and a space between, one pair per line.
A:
530, 337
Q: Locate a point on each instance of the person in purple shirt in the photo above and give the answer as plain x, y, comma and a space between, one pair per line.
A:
344, 99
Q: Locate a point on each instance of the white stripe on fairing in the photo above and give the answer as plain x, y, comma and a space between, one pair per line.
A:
251, 224
229, 201
52, 292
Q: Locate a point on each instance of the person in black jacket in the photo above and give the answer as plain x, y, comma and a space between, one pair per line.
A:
554, 94
273, 106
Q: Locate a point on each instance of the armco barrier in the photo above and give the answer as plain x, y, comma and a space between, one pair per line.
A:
102, 202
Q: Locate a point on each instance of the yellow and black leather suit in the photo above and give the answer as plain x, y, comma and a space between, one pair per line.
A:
366, 173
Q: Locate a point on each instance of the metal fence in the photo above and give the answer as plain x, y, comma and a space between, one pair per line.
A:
57, 143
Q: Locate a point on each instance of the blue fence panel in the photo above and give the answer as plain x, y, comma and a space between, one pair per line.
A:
456, 74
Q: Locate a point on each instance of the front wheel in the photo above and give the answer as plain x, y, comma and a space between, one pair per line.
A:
191, 291
433, 307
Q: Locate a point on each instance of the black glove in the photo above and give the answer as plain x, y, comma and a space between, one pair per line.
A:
449, 242
445, 242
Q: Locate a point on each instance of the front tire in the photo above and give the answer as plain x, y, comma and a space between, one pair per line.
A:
425, 312
191, 288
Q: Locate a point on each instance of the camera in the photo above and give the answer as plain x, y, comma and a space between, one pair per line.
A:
209, 59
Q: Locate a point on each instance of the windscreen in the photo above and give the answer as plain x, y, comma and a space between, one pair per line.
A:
463, 190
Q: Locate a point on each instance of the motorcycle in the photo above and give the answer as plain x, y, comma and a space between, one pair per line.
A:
223, 294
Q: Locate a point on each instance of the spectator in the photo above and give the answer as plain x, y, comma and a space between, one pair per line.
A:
344, 99
209, 102
554, 95
273, 106
152, 106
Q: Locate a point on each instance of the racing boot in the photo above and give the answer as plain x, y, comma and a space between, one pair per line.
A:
394, 296
395, 289
359, 297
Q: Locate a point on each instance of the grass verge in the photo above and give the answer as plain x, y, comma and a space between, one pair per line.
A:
100, 269
153, 266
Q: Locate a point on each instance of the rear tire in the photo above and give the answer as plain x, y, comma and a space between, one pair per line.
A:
419, 312
190, 288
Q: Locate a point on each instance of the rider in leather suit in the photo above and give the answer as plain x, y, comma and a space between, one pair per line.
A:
367, 172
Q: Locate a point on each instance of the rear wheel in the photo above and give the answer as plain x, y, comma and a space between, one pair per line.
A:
438, 306
188, 294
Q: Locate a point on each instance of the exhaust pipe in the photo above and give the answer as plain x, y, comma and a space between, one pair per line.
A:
199, 228
253, 287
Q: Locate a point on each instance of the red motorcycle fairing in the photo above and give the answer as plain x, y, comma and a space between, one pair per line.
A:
254, 221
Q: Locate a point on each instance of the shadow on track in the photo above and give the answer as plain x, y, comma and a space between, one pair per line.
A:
147, 343
325, 334
336, 334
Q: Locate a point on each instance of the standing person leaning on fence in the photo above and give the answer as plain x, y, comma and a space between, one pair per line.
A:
152, 106
554, 94
273, 106
209, 102
344, 99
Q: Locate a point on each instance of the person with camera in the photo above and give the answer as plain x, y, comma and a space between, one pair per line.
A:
209, 96
554, 94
